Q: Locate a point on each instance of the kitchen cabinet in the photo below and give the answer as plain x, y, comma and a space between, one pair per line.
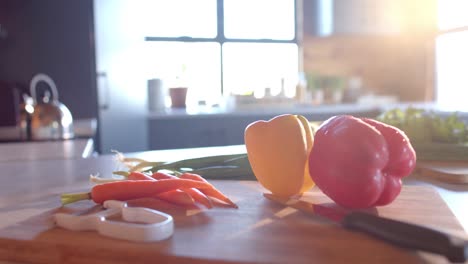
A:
179, 129
200, 131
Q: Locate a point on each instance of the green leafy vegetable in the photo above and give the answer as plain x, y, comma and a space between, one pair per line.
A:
231, 166
433, 137
423, 126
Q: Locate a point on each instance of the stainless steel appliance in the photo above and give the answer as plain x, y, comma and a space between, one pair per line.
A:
45, 118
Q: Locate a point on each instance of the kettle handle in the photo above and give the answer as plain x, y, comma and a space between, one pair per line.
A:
44, 78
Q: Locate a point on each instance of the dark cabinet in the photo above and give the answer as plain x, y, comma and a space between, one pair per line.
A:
205, 130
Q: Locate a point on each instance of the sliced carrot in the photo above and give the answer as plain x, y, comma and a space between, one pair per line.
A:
178, 197
213, 192
199, 196
126, 190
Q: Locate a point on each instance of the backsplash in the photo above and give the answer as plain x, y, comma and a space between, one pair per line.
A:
400, 65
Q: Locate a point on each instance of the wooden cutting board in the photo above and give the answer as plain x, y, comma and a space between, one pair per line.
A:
455, 172
259, 231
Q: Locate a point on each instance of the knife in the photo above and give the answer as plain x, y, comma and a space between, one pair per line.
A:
399, 233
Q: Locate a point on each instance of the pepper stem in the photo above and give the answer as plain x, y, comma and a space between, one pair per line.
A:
69, 198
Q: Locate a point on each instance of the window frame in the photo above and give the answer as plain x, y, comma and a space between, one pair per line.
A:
441, 33
221, 38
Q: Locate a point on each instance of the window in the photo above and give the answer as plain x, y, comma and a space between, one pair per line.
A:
223, 47
452, 55
176, 18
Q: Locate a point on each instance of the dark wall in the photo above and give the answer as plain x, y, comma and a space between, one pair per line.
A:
54, 37
16, 59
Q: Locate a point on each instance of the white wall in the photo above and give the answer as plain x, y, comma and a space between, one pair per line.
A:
119, 36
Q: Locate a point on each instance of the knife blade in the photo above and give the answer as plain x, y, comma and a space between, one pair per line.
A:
398, 233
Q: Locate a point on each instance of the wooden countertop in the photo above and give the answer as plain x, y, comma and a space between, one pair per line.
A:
28, 190
455, 195
53, 150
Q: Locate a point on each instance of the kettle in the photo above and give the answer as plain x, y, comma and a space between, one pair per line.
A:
45, 118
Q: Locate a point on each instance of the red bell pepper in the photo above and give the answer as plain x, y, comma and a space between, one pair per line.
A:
359, 162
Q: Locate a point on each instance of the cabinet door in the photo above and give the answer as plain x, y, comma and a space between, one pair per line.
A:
186, 133
197, 131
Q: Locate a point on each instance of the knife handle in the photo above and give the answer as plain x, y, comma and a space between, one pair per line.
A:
409, 235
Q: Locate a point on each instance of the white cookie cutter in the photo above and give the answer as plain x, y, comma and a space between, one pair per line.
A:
139, 224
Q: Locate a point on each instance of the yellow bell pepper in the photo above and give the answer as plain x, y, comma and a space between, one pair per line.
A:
278, 152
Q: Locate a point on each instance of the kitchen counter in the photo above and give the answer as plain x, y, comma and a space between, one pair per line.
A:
218, 126
455, 195
314, 111
51, 150
267, 110
30, 190
222, 127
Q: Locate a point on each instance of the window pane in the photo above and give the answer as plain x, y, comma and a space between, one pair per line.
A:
452, 13
252, 67
178, 18
259, 19
195, 65
452, 62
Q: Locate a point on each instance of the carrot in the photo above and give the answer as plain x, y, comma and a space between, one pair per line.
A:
161, 175
175, 196
129, 189
178, 197
160, 205
136, 175
212, 192
199, 196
